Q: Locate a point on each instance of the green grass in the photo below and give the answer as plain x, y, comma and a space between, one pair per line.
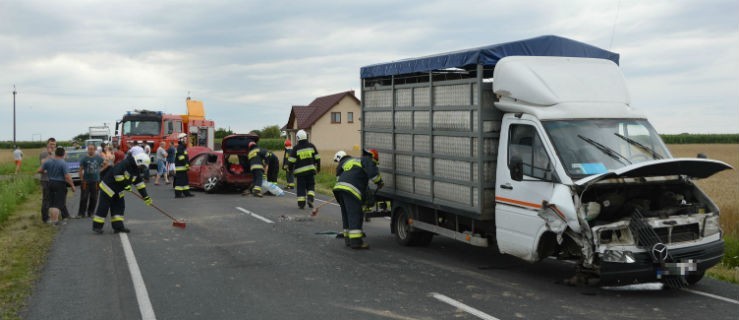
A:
24, 243
687, 138
14, 190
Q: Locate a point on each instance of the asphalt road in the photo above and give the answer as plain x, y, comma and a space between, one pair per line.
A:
251, 258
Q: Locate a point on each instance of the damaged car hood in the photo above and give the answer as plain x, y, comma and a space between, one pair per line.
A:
691, 167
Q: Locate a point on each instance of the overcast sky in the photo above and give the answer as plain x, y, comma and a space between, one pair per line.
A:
81, 63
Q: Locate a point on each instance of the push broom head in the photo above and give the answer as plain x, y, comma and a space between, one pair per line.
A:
179, 224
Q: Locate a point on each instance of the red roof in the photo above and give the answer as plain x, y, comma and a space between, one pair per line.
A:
306, 116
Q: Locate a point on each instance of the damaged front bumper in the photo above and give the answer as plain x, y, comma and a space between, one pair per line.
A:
626, 267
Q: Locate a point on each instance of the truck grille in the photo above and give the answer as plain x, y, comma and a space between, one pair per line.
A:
681, 233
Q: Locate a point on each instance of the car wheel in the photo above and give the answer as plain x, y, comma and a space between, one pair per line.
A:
211, 184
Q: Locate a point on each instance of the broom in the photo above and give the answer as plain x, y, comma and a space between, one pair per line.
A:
314, 212
175, 223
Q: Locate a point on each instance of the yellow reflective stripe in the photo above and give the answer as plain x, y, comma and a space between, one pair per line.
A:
301, 198
354, 234
116, 218
106, 189
257, 188
377, 179
121, 194
126, 174
305, 169
351, 163
180, 168
348, 187
185, 153
305, 153
292, 159
312, 193
181, 157
317, 156
187, 187
140, 185
180, 188
98, 219
119, 178
256, 167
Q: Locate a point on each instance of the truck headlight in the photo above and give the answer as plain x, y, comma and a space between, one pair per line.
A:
711, 226
618, 256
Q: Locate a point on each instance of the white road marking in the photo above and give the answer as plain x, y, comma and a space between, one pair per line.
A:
254, 215
706, 294
142, 296
317, 200
462, 306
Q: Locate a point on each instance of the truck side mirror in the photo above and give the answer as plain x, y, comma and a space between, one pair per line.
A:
516, 168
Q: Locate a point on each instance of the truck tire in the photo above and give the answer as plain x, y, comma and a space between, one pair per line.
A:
402, 230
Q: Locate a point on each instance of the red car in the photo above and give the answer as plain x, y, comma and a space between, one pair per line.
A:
214, 170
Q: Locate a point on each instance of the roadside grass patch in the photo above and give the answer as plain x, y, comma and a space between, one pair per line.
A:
14, 190
24, 243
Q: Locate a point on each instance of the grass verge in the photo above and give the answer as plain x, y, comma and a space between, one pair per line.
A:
24, 243
14, 190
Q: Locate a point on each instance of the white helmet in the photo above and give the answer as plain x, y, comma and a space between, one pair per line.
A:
181, 136
339, 155
142, 160
302, 135
136, 150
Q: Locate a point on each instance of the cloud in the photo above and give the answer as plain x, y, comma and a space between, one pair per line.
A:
81, 62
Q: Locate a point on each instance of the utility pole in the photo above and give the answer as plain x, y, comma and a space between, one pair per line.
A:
14, 93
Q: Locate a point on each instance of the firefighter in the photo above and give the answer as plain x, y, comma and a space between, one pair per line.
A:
256, 159
273, 167
354, 175
288, 174
181, 165
115, 183
305, 162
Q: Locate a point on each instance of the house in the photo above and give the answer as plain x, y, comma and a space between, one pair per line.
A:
332, 122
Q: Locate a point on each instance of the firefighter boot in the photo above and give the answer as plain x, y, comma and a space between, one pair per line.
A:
178, 194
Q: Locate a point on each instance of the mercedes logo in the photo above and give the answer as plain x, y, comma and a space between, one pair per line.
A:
659, 252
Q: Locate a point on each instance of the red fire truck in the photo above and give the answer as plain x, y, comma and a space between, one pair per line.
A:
156, 127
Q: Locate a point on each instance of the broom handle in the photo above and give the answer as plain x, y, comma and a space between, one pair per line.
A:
325, 203
154, 206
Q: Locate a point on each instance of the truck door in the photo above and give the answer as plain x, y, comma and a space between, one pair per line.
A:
518, 199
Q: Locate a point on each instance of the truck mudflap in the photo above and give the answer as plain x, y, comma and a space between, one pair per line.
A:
640, 267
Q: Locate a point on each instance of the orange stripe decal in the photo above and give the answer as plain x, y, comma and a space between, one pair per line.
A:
518, 202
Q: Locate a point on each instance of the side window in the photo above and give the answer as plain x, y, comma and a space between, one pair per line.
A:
170, 127
525, 143
198, 161
177, 126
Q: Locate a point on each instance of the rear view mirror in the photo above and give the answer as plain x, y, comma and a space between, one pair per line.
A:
516, 168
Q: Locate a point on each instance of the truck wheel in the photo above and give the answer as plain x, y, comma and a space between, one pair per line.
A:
695, 277
403, 234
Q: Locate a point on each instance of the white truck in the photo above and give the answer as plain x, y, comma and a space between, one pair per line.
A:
98, 135
533, 146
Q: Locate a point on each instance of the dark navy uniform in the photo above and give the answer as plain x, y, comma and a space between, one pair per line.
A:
181, 165
353, 176
112, 188
305, 162
256, 166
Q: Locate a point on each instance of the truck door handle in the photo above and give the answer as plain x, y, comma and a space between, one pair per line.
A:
507, 186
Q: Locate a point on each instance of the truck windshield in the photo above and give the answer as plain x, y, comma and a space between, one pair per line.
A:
594, 146
142, 128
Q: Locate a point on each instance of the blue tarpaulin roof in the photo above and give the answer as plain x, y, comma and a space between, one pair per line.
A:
489, 56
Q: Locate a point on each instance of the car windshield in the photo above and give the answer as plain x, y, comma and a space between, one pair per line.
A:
594, 146
142, 128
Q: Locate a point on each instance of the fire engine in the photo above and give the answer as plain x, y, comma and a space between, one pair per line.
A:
156, 127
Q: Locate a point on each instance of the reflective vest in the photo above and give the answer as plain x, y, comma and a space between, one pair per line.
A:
123, 174
304, 158
353, 175
256, 158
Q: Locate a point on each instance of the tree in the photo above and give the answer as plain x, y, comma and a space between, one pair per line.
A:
222, 132
271, 132
81, 137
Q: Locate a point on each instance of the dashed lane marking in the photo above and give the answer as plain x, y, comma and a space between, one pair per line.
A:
462, 306
706, 294
254, 215
142, 296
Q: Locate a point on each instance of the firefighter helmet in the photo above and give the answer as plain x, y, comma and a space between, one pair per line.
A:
339, 155
302, 135
142, 159
181, 136
373, 153
135, 150
288, 143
